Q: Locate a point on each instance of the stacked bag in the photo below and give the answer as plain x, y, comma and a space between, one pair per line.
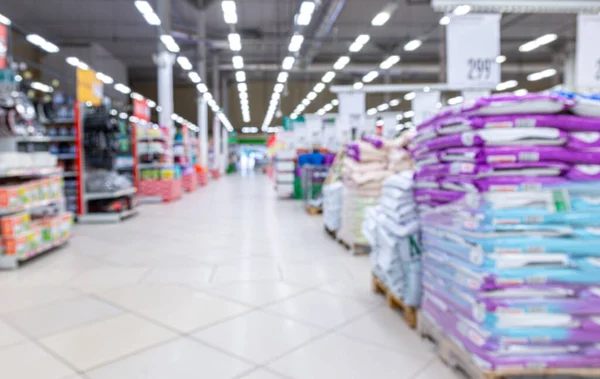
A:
332, 205
509, 194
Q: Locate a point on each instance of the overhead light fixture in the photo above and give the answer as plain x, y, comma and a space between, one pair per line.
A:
455, 100
409, 114
170, 43
83, 66
500, 59
150, 103
335, 102
194, 77
240, 76
380, 19
541, 75
321, 112
358, 85
462, 10
73, 61
538, 42
235, 41
370, 76
341, 63
445, 20
184, 63
288, 63
275, 96
327, 107
40, 42
243, 95
328, 77
305, 14
42, 87
311, 96
319, 87
383, 107
207, 96
426, 89
521, 92
279, 88
123, 88
202, 87
359, 42
395, 102
238, 62
282, 77
146, 10
104, 78
242, 87
229, 11
399, 116
410, 96
389, 62
123, 115
306, 102
5, 20
136, 96
296, 43
506, 85
413, 45
372, 111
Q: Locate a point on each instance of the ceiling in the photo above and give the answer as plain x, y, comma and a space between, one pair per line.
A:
266, 27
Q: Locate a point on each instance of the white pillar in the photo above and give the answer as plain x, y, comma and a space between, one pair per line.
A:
569, 69
216, 122
164, 60
225, 160
201, 103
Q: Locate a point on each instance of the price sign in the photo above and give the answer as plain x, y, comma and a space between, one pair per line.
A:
473, 43
587, 66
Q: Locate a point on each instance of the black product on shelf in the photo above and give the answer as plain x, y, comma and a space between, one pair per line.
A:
100, 140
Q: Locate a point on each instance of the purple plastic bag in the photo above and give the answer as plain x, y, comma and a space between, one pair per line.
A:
374, 141
512, 154
584, 173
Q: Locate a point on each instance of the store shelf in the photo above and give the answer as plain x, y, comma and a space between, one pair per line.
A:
109, 195
12, 261
60, 121
46, 139
142, 166
66, 156
106, 218
27, 172
144, 139
31, 207
70, 174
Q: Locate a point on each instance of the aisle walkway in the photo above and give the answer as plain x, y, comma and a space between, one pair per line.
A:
227, 283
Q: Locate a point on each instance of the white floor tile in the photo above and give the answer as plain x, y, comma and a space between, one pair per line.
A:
262, 374
258, 336
9, 335
257, 293
178, 359
246, 270
60, 315
196, 276
335, 356
29, 361
21, 298
438, 370
320, 308
97, 343
95, 280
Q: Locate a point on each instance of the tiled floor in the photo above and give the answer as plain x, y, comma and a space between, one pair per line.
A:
227, 283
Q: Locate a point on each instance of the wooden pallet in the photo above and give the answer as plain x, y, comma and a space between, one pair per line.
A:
409, 313
459, 359
355, 248
313, 210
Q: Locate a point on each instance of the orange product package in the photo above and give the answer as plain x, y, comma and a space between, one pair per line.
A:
15, 224
9, 197
16, 245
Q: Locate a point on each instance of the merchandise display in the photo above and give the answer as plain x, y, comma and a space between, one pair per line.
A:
508, 229
284, 168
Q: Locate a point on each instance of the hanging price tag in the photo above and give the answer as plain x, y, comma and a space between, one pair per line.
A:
588, 55
473, 43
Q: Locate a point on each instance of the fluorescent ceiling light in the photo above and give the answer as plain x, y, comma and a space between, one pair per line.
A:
152, 19
73, 61
288, 63
240, 76
341, 63
399, 116
541, 41
275, 96
500, 59
202, 87
82, 65
207, 96
143, 7
184, 63
40, 42
381, 18
521, 92
388, 63
358, 85
123, 115
194, 77
137, 96
282, 77
370, 76
426, 89
371, 111
122, 88
321, 112
278, 88
409, 114
238, 62
395, 103
506, 85
455, 100
306, 102
541, 75
335, 102
328, 77
383, 107
229, 11
5, 20
462, 10
42, 87
303, 19
159, 108
104, 78
327, 107
235, 41
410, 96
319, 87
294, 116
359, 42
445, 20
151, 103
311, 95
413, 45
170, 43
242, 87
296, 43
307, 7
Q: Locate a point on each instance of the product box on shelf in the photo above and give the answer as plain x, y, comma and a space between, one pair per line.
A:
45, 231
15, 224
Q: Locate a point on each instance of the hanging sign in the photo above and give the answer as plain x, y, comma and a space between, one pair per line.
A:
473, 43
388, 129
89, 88
351, 117
587, 65
425, 106
3, 46
141, 110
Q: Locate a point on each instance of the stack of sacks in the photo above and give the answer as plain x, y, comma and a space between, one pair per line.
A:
332, 205
392, 229
510, 230
363, 171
